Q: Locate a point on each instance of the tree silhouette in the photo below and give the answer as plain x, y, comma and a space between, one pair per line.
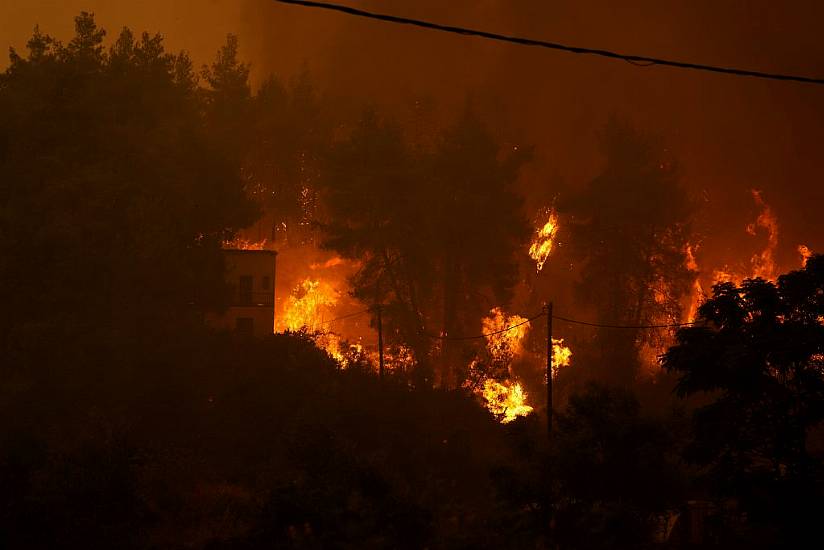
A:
291, 134
759, 355
436, 230
631, 229
114, 203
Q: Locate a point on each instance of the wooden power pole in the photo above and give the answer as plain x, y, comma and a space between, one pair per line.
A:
549, 358
380, 341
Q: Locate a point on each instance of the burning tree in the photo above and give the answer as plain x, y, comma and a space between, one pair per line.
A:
631, 235
436, 230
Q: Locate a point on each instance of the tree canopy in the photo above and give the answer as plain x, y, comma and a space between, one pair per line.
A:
114, 202
630, 232
758, 355
437, 230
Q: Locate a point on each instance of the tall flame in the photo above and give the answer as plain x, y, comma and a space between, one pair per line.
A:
764, 262
806, 254
561, 356
507, 399
698, 293
504, 345
544, 241
307, 303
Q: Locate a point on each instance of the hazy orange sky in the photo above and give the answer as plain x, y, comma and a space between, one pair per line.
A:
730, 134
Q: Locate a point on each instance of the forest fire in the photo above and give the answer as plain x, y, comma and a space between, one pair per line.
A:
504, 345
561, 355
265, 291
307, 304
506, 400
503, 394
697, 293
762, 264
308, 308
544, 240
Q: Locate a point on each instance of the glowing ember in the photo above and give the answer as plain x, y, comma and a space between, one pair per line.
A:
506, 401
307, 304
544, 240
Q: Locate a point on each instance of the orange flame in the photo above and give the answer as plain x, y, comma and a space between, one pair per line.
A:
505, 342
806, 254
561, 356
764, 262
698, 293
307, 303
505, 400
504, 345
544, 241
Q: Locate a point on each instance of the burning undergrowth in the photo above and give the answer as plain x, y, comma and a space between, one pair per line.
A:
499, 372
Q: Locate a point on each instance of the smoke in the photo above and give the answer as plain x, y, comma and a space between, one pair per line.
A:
729, 134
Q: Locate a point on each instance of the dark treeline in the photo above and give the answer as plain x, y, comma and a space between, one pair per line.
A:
126, 423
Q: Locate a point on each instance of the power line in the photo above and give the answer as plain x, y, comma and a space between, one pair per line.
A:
640, 60
349, 316
565, 319
485, 335
526, 321
638, 327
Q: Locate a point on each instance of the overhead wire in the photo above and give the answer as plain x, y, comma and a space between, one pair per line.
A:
565, 319
637, 327
487, 334
342, 317
639, 60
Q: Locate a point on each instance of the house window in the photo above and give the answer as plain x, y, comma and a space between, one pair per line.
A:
245, 290
266, 283
245, 326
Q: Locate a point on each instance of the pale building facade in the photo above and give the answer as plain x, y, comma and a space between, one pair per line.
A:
251, 278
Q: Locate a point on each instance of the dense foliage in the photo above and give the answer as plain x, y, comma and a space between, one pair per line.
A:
114, 201
631, 230
760, 355
437, 229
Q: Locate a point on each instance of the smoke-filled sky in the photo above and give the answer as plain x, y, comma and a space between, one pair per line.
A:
729, 134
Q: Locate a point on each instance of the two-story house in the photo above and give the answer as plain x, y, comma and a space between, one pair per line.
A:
251, 278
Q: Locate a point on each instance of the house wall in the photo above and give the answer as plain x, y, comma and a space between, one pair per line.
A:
254, 302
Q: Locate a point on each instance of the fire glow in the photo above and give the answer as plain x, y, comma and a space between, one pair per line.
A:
507, 399
544, 241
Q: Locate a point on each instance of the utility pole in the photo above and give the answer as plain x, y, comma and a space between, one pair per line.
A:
549, 358
380, 340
